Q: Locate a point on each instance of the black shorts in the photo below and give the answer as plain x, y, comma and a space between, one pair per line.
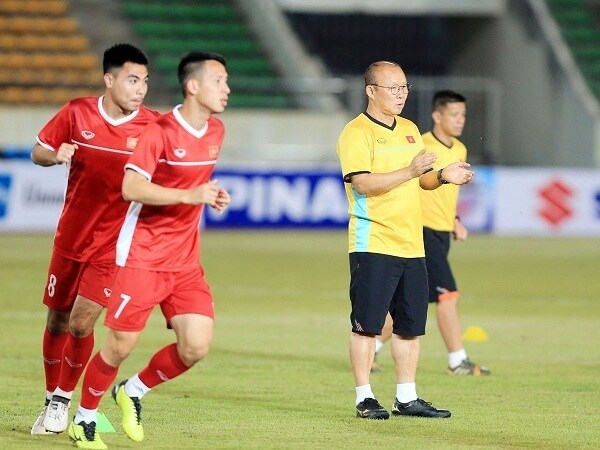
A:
439, 273
380, 284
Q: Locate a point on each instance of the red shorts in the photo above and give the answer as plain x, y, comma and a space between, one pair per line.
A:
68, 278
136, 292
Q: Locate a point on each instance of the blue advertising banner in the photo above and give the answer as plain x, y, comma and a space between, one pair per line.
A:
280, 198
315, 198
31, 198
5, 184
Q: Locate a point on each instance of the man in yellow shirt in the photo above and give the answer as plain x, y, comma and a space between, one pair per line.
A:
384, 166
441, 223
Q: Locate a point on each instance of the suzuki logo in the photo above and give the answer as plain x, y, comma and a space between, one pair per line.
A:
556, 198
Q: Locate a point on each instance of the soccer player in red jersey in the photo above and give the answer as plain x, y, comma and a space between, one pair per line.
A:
93, 137
168, 181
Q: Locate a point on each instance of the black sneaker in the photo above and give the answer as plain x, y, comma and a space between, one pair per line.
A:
418, 408
370, 408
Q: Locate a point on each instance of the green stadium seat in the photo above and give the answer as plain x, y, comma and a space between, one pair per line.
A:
259, 101
173, 10
179, 47
242, 83
575, 17
170, 30
565, 3
580, 35
587, 52
156, 28
234, 65
579, 28
250, 101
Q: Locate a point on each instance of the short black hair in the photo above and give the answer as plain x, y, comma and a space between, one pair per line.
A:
442, 98
192, 62
119, 54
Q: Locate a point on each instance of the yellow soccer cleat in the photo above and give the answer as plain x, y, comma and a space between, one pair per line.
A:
131, 411
84, 435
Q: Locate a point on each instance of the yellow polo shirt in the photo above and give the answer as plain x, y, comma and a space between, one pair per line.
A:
439, 205
389, 223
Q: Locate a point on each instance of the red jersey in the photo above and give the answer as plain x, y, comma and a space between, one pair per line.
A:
94, 207
171, 154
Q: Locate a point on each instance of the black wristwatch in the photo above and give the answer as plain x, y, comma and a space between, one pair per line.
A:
440, 179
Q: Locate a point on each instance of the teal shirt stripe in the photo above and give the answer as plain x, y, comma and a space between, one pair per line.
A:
363, 224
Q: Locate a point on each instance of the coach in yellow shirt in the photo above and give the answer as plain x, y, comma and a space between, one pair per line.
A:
384, 165
441, 223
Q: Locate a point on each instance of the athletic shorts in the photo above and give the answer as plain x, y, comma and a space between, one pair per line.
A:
381, 283
442, 285
68, 278
136, 292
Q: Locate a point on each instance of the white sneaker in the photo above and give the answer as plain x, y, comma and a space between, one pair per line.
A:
57, 417
38, 427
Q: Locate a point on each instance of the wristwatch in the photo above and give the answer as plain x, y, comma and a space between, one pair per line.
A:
440, 179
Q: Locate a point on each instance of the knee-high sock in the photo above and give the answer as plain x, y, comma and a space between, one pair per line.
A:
52, 349
76, 354
164, 365
96, 381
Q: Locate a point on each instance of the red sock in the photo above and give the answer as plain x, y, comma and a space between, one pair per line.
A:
96, 381
52, 348
76, 354
163, 366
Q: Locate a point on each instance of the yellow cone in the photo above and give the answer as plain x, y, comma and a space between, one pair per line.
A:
475, 334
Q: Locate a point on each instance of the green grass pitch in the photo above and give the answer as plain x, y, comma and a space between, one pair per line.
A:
278, 374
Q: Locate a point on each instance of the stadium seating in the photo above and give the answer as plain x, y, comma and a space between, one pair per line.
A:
45, 58
168, 31
579, 28
34, 7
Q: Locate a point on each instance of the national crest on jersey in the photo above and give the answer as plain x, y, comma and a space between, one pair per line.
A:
132, 142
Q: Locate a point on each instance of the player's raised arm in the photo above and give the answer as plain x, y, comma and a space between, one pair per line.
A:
137, 188
42, 156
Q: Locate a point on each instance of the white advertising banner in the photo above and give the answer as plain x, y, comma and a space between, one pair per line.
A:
550, 202
31, 197
476, 201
